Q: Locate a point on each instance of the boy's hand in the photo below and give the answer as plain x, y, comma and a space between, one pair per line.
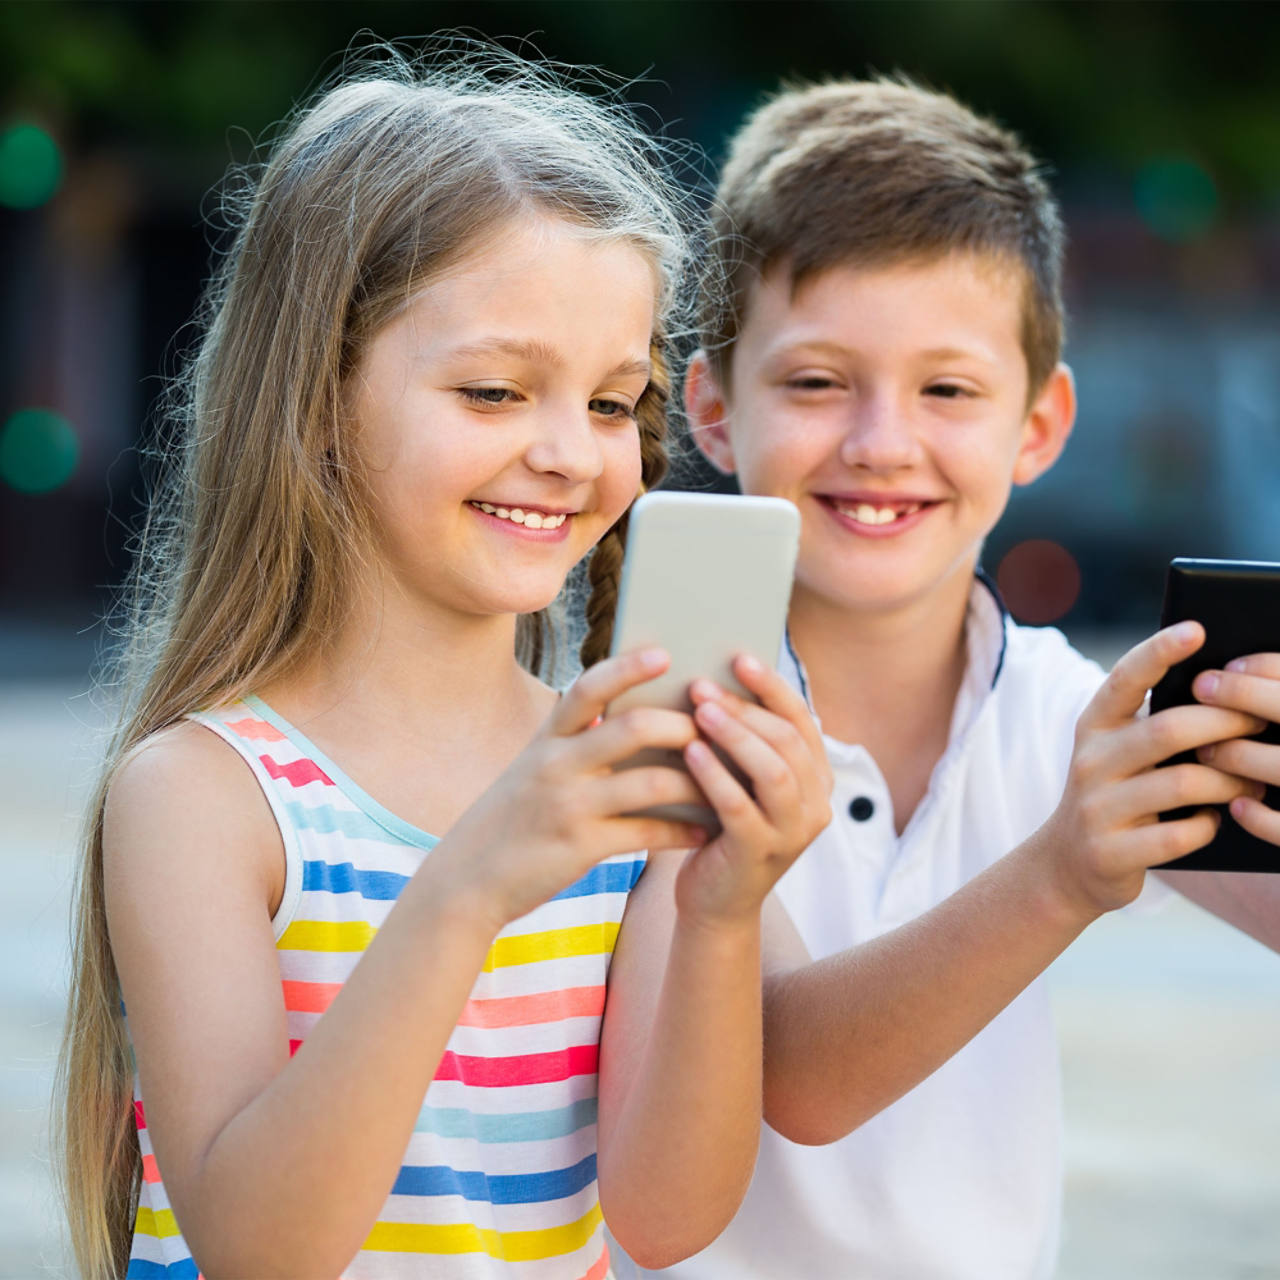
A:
1106, 832
1251, 685
777, 745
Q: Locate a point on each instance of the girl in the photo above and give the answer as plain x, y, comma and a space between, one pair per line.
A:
432, 380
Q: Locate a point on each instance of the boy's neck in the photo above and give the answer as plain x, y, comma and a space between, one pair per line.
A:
887, 681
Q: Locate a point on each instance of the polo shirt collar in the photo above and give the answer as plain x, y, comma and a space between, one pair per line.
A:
987, 624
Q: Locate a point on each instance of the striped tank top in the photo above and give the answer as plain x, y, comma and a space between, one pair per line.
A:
499, 1177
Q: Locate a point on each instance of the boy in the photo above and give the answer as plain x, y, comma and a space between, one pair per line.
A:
880, 329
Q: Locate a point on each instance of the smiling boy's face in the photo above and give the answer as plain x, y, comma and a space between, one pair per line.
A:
890, 404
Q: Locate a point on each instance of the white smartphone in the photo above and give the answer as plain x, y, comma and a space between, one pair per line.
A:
706, 577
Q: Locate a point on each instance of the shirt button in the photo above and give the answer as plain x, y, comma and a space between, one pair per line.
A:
861, 808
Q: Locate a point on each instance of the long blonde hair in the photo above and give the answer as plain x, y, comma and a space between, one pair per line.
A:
259, 526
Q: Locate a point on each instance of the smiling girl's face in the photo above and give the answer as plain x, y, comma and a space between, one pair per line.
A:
496, 418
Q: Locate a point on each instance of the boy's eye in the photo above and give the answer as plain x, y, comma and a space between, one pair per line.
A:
948, 391
608, 408
811, 382
487, 395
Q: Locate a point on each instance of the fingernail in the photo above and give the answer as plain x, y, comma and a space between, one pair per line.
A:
753, 665
1185, 630
1207, 684
703, 689
1238, 664
1206, 754
653, 657
712, 713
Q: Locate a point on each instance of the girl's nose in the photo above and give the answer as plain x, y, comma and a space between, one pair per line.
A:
565, 444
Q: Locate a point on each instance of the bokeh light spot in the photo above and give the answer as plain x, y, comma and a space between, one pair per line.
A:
30, 166
1176, 198
1039, 580
39, 450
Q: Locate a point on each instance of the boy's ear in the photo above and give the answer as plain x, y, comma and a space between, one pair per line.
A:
704, 403
1048, 424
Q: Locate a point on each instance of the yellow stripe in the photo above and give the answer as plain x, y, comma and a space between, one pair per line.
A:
553, 944
463, 1237
326, 935
156, 1222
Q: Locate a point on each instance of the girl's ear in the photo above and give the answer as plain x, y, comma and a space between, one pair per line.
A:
704, 403
1048, 424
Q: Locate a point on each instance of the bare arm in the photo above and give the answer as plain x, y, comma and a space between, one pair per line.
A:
848, 1035
680, 1074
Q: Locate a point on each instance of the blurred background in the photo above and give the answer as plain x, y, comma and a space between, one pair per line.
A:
1160, 124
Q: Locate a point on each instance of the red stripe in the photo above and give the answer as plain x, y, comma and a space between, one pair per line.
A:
294, 1046
524, 1011
139, 1116
150, 1170
309, 997
527, 1068
258, 730
297, 772
601, 1269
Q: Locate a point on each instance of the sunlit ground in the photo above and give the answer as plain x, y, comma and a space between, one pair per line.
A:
1170, 1029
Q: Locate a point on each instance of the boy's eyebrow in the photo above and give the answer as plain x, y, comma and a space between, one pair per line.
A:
537, 352
826, 347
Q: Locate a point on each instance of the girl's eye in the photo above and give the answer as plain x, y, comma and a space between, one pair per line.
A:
607, 408
487, 395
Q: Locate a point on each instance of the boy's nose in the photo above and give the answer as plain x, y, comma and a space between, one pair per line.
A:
879, 436
565, 444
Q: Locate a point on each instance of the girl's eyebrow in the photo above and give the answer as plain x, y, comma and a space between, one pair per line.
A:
535, 351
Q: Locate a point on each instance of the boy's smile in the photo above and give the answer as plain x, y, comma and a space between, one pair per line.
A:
889, 403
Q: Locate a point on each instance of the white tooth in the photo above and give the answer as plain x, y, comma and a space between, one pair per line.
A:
517, 515
502, 513
533, 520
487, 507
865, 513
887, 515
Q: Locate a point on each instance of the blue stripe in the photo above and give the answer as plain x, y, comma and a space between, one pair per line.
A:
348, 822
513, 1188
342, 877
607, 877
141, 1269
521, 1126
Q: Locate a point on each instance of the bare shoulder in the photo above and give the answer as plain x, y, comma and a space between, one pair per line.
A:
180, 794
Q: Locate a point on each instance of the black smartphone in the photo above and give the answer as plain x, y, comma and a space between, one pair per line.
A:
1238, 604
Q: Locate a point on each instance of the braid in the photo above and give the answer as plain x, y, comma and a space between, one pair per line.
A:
604, 571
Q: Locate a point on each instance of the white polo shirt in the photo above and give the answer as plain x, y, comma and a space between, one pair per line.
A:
961, 1178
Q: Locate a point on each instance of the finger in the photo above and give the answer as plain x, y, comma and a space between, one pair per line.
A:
1257, 819
1159, 842
1179, 786
630, 834
778, 696
589, 695
636, 729
1257, 760
799, 744
1257, 664
1125, 689
1149, 741
772, 779
1258, 694
644, 787
726, 795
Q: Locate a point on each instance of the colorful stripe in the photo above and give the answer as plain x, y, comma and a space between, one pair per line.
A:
504, 1146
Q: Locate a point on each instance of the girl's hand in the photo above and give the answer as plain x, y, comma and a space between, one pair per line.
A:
560, 807
776, 745
1251, 685
1106, 834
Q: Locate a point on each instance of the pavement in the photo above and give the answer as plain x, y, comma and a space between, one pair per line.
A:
1169, 1024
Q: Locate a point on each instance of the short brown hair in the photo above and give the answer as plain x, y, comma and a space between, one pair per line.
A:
869, 173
